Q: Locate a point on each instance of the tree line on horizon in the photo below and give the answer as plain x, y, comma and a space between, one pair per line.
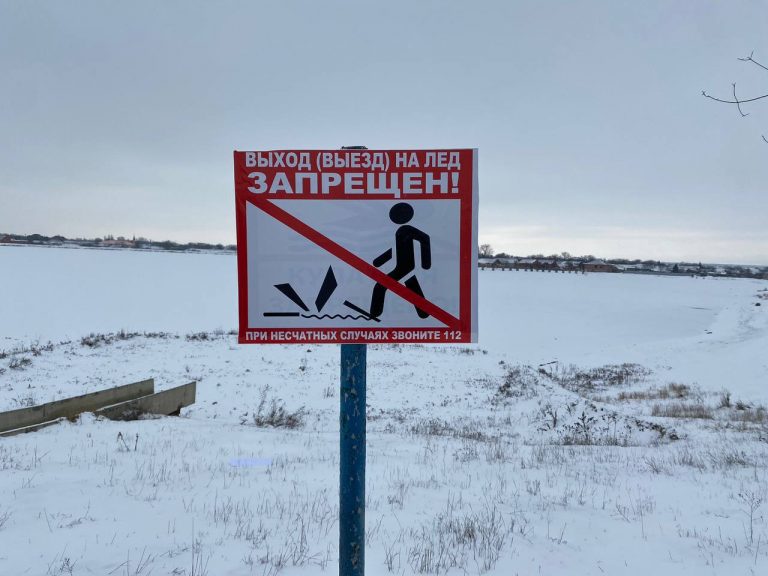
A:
111, 240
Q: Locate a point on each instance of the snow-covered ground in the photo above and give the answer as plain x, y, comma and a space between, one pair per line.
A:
563, 443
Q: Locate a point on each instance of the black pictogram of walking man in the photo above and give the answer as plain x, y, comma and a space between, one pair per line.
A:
405, 258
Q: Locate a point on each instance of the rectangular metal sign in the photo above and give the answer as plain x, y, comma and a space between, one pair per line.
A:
357, 246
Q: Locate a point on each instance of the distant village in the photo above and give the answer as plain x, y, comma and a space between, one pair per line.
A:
563, 262
111, 242
566, 263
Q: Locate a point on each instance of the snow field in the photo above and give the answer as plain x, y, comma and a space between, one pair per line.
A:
479, 459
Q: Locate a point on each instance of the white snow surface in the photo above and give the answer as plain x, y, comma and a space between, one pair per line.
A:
491, 458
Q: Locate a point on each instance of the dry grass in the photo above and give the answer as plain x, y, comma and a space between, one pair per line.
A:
749, 415
592, 380
671, 391
455, 538
94, 340
437, 427
682, 410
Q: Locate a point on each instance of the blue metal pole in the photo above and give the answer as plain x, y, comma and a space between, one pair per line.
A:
352, 461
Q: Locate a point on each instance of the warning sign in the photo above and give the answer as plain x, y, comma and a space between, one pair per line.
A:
357, 246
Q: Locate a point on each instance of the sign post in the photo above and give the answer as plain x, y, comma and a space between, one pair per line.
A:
356, 246
352, 461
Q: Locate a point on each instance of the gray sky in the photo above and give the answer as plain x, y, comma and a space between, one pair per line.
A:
121, 118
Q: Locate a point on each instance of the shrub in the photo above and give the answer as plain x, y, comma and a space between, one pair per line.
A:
518, 382
4, 516
198, 337
25, 401
19, 363
94, 340
273, 413
725, 400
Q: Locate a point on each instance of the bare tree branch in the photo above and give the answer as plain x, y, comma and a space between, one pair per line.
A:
750, 59
738, 101
703, 93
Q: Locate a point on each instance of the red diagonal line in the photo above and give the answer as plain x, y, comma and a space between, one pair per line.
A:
356, 262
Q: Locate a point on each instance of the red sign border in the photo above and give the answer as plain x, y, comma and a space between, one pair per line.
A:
467, 332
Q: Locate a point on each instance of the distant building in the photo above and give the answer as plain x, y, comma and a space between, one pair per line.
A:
600, 266
571, 265
547, 264
119, 243
6, 239
504, 262
525, 264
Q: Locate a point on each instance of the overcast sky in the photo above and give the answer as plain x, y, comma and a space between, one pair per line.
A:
121, 118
